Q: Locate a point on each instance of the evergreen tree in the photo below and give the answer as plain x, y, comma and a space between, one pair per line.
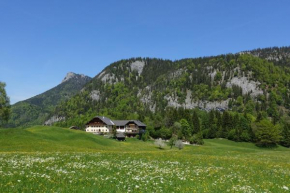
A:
195, 123
286, 135
185, 128
4, 105
226, 124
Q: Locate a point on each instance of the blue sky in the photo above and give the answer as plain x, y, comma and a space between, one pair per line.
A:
40, 41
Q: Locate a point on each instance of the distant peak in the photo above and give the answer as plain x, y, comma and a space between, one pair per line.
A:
71, 75
68, 76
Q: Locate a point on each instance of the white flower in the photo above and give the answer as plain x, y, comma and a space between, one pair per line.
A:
285, 188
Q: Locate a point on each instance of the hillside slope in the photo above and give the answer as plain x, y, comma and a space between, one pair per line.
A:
36, 109
56, 139
140, 87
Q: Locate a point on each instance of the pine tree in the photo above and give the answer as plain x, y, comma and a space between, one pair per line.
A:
4, 105
286, 135
195, 122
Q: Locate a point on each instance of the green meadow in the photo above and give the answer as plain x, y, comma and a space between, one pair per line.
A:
52, 159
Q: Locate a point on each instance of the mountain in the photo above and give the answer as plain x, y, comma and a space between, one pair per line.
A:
137, 88
35, 110
277, 55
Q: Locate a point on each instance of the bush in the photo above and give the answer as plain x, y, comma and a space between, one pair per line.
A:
245, 136
266, 134
145, 136
172, 141
159, 143
179, 144
232, 135
196, 139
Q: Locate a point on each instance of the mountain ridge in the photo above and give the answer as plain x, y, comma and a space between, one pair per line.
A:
35, 109
205, 82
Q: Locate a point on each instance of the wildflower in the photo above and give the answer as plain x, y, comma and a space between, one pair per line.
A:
285, 187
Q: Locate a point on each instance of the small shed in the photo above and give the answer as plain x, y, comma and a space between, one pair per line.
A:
120, 136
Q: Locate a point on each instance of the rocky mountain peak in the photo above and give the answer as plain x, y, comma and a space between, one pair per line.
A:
71, 75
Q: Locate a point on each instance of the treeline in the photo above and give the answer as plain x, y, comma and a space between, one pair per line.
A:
195, 125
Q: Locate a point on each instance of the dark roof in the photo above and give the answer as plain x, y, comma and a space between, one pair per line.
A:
139, 123
106, 120
125, 122
120, 122
120, 135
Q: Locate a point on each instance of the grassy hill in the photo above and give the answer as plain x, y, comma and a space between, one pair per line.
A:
53, 159
52, 139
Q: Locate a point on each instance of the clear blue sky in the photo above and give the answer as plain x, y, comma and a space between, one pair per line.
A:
40, 41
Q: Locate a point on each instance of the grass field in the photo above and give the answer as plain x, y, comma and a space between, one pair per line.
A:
51, 159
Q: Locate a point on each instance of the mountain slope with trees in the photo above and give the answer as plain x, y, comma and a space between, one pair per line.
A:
235, 96
35, 111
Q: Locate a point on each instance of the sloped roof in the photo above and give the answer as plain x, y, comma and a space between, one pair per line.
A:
120, 135
110, 122
120, 122
106, 120
139, 123
125, 122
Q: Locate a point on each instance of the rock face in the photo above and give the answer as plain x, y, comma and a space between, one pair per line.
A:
190, 104
95, 95
246, 85
72, 75
54, 119
138, 66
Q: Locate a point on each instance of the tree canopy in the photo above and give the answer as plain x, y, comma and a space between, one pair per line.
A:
4, 104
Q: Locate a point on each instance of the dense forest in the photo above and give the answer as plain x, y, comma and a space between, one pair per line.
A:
242, 97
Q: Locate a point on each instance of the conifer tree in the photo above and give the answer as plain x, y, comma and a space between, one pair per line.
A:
4, 104
195, 122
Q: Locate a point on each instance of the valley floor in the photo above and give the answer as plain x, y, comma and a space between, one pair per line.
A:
51, 159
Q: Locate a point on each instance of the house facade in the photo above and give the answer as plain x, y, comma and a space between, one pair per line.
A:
101, 124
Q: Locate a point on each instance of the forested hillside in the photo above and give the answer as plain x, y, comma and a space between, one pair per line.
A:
35, 111
233, 96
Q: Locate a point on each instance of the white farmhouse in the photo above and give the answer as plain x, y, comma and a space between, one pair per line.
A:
101, 124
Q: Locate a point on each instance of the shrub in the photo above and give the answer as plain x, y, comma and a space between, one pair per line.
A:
172, 141
145, 136
266, 134
179, 144
196, 139
159, 143
245, 136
